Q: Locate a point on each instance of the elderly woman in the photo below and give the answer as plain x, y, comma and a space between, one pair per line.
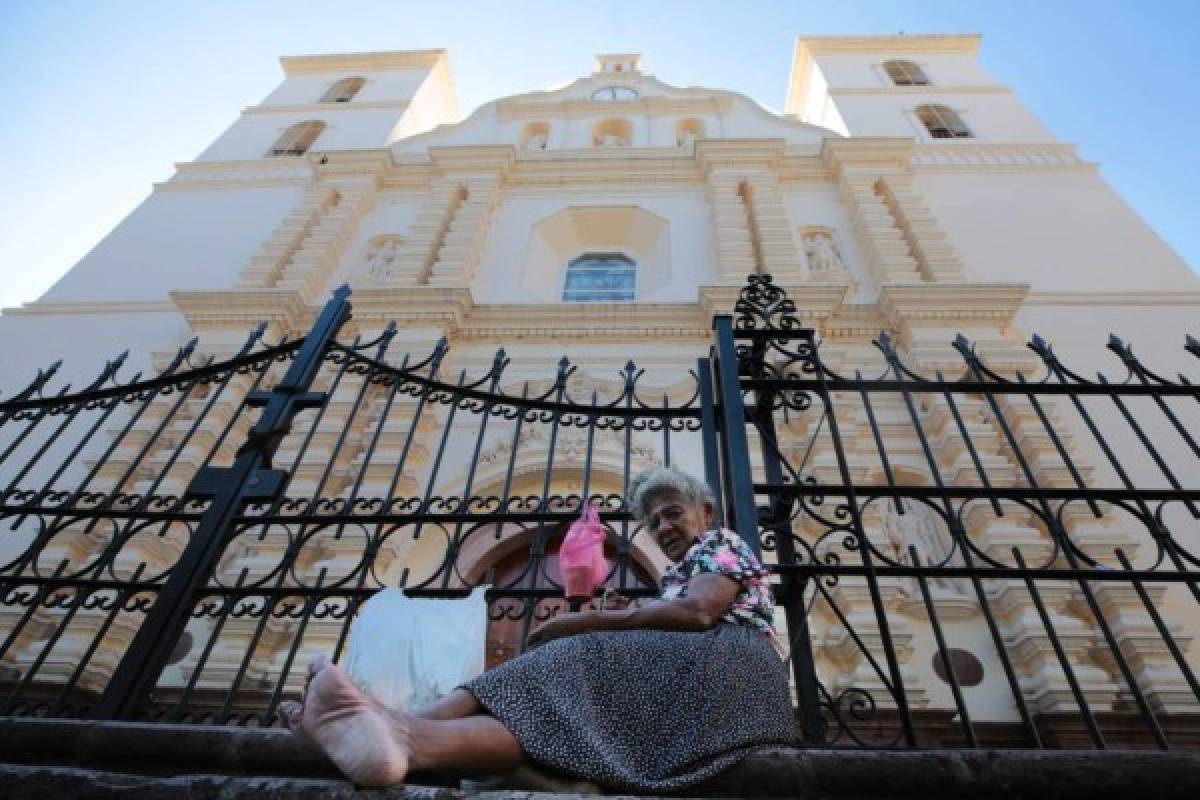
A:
649, 699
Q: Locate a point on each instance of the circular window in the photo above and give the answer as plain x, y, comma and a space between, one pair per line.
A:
967, 668
615, 93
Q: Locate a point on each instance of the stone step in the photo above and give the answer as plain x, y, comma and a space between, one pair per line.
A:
67, 759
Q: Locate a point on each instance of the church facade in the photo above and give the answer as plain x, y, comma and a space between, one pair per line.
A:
903, 189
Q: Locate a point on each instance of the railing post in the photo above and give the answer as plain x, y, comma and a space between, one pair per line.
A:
228, 489
708, 434
742, 516
778, 519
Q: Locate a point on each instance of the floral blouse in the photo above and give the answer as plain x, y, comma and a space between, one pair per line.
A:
723, 552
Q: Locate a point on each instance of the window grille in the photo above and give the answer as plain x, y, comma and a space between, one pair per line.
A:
600, 278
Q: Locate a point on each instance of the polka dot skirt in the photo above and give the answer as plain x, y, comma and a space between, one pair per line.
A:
646, 711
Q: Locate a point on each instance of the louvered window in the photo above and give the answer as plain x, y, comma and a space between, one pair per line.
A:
297, 139
905, 73
943, 122
343, 91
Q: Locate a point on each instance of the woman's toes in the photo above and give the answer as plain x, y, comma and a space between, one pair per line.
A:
292, 712
318, 663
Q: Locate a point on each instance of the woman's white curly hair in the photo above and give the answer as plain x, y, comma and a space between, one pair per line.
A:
658, 480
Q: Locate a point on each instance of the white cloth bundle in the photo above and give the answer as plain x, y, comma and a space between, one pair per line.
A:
407, 652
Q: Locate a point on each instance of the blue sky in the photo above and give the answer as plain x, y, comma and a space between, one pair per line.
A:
104, 97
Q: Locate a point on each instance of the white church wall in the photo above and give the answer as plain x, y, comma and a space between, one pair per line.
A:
1059, 231
433, 103
345, 129
506, 251
195, 239
989, 117
380, 86
865, 70
84, 342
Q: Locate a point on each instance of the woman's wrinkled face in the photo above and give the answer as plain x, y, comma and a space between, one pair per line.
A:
676, 523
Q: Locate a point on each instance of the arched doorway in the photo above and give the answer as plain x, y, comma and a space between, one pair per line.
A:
536, 567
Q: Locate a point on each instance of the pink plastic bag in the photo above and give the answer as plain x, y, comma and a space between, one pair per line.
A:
581, 557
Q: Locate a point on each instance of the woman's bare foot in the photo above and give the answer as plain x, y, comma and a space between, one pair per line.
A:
371, 745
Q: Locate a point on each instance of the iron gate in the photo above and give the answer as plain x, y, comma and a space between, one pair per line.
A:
175, 548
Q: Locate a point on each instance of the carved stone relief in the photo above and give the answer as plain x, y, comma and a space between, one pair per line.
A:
380, 257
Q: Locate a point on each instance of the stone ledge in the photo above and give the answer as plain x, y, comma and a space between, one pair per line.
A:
67, 759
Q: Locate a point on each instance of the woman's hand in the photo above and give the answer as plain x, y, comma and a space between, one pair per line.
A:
565, 624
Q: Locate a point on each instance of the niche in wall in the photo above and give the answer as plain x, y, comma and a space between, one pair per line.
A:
567, 234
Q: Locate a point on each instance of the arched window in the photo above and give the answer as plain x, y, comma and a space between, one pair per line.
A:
612, 133
943, 122
688, 131
600, 278
905, 73
296, 140
535, 136
343, 91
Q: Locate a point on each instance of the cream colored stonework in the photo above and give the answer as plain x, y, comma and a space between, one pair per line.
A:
992, 236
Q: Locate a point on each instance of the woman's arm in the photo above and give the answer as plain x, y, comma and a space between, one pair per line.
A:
709, 596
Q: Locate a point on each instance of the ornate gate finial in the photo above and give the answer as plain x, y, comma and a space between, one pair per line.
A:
762, 305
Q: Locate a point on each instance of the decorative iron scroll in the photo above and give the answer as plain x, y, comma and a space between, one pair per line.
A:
93, 511
970, 497
1042, 521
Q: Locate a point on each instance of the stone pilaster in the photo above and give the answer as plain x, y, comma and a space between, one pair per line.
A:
896, 230
313, 264
416, 256
731, 229
277, 251
858, 165
777, 244
935, 255
752, 231
466, 232
478, 174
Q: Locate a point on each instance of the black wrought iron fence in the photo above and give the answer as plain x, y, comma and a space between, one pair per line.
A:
998, 557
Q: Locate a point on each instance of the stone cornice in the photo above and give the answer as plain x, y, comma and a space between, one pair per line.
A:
928, 89
497, 159
336, 165
798, 168
738, 152
38, 308
591, 321
952, 301
665, 166
974, 155
442, 306
854, 321
241, 308
344, 62
967, 44
591, 168
325, 108
1113, 298
256, 172
817, 301
580, 106
814, 301
887, 154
